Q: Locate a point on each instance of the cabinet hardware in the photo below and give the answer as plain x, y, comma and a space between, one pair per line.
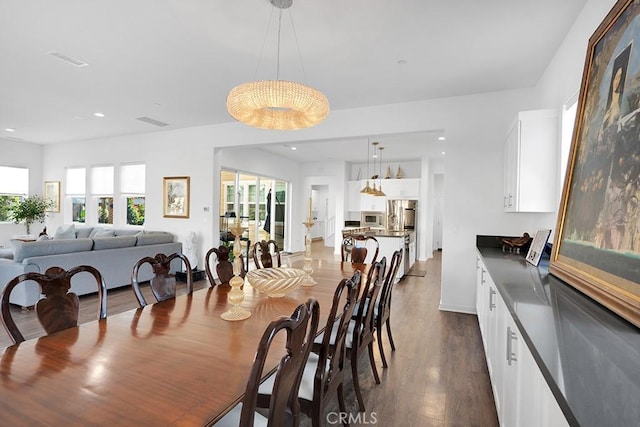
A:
492, 304
511, 356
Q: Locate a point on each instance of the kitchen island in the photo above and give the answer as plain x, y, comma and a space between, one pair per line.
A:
391, 241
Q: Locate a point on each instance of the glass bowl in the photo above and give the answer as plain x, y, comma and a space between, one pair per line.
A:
276, 282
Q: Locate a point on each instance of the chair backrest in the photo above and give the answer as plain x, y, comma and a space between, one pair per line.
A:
356, 247
364, 317
385, 293
59, 308
263, 253
224, 267
301, 329
335, 353
163, 282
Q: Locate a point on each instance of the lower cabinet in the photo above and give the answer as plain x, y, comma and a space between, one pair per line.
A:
522, 396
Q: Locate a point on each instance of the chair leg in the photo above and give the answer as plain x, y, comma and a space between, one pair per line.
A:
342, 405
373, 363
384, 359
356, 383
388, 322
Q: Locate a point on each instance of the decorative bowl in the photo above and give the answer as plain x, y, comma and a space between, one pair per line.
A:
276, 282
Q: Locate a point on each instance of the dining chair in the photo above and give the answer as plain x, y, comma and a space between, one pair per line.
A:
356, 247
324, 373
382, 310
263, 253
283, 405
163, 283
59, 308
223, 266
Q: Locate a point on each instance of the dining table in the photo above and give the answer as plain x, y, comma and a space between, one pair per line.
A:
175, 362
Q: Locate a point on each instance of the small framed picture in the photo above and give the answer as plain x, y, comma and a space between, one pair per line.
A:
176, 196
537, 246
52, 194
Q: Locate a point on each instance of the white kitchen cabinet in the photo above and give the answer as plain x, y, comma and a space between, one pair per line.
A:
388, 245
530, 152
522, 396
407, 189
373, 203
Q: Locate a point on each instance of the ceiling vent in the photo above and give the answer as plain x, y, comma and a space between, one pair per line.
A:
152, 121
69, 60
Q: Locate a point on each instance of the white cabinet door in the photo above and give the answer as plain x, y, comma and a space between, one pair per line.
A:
372, 203
405, 189
530, 179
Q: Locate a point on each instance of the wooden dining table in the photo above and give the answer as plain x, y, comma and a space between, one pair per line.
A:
171, 363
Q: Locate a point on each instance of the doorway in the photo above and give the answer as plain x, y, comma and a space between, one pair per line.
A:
258, 201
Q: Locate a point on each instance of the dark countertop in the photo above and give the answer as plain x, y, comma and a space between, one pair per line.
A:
589, 356
377, 232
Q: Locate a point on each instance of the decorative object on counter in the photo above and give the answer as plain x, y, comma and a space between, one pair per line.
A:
515, 244
537, 247
236, 295
388, 175
399, 174
276, 282
278, 104
29, 210
597, 244
308, 270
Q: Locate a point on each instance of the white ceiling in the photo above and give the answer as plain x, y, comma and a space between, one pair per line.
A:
175, 60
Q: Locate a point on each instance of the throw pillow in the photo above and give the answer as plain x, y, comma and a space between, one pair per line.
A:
65, 232
105, 233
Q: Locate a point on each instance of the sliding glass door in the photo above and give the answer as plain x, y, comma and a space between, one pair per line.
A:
259, 202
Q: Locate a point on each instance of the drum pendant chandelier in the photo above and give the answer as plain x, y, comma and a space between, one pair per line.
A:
277, 104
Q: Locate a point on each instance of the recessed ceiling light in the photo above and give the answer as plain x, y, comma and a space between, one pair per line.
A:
441, 138
443, 153
10, 130
294, 148
98, 114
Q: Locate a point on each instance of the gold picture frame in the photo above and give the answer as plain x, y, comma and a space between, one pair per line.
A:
176, 197
52, 194
597, 241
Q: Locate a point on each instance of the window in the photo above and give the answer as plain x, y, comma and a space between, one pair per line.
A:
76, 191
132, 186
102, 187
14, 185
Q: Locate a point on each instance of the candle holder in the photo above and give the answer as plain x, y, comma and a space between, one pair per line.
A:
308, 280
236, 295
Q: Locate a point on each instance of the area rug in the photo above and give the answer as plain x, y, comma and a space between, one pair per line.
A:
416, 273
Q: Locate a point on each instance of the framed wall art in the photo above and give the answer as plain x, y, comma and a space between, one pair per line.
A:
52, 194
597, 242
176, 197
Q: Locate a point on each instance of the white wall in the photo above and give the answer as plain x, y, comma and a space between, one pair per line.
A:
24, 155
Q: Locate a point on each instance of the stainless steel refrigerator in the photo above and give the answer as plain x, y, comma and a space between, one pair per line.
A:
401, 215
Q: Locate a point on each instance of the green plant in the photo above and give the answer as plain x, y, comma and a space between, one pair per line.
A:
29, 210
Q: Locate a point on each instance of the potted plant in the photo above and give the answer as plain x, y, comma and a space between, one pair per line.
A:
29, 210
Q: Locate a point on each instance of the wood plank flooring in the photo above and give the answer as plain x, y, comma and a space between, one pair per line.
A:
436, 377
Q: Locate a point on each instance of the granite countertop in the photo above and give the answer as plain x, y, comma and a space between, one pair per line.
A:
589, 356
377, 232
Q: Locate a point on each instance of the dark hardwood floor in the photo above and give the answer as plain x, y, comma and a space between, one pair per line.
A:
436, 377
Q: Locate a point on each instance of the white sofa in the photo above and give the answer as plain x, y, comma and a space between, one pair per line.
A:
114, 256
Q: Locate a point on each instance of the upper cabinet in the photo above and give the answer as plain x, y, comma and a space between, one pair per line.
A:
530, 172
408, 188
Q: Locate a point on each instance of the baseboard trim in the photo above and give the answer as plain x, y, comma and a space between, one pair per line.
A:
458, 309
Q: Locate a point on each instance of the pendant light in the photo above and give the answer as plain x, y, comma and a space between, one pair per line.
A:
374, 190
277, 104
367, 189
380, 192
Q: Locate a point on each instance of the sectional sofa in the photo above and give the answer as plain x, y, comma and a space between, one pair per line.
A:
112, 251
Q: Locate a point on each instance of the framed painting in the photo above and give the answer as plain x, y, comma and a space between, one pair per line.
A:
52, 195
176, 197
597, 240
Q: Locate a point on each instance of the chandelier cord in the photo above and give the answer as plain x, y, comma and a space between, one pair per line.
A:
264, 43
295, 36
